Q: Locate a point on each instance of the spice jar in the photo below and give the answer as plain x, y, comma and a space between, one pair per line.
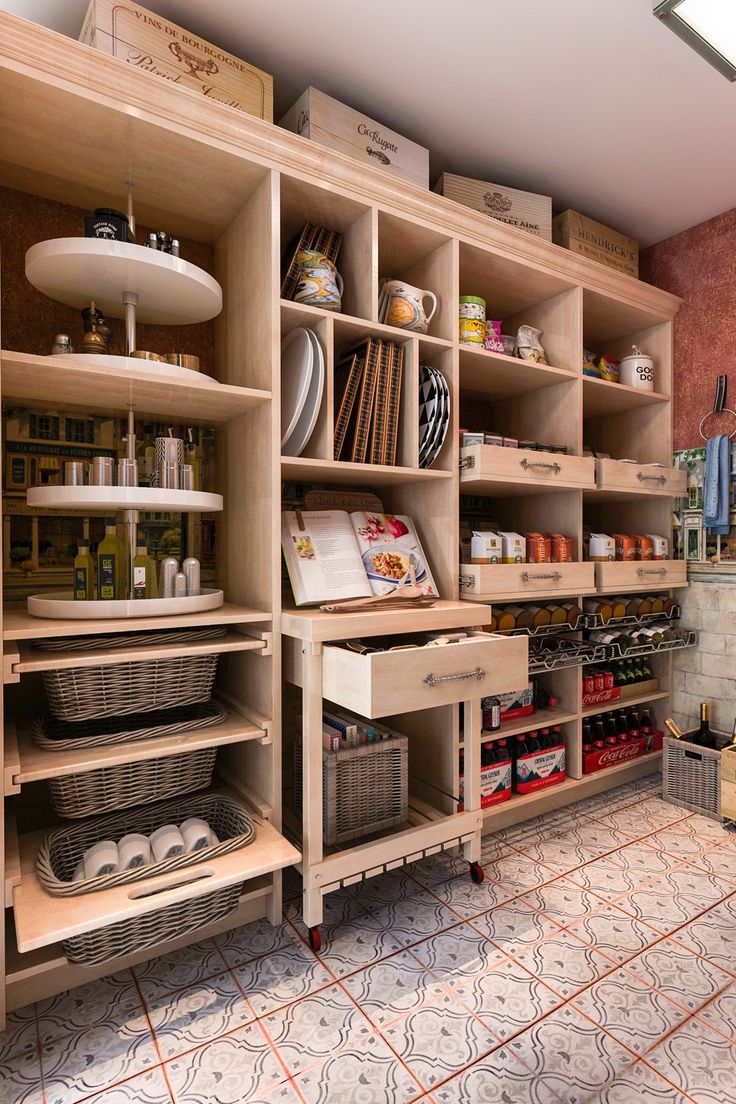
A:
472, 320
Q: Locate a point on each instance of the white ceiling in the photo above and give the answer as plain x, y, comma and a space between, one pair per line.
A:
590, 101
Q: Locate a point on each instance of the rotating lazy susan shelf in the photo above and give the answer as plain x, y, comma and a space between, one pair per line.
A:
124, 498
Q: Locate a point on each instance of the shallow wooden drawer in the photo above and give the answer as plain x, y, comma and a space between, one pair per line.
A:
501, 581
615, 475
728, 800
381, 683
493, 463
637, 575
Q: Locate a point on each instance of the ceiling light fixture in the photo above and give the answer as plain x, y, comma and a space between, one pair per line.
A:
708, 26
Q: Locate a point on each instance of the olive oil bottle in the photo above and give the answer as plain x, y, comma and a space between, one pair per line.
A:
84, 573
112, 571
144, 573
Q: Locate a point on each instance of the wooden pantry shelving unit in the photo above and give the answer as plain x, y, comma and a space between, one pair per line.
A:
243, 189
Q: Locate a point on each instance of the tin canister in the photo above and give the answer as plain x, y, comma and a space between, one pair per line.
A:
472, 322
103, 471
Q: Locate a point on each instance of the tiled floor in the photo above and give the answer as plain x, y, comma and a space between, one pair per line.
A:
595, 965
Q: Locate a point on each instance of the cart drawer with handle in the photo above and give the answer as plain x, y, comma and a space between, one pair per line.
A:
616, 475
640, 575
489, 464
496, 582
377, 684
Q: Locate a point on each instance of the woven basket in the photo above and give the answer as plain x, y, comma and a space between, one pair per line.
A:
691, 776
81, 693
61, 851
128, 784
129, 936
364, 789
53, 735
127, 640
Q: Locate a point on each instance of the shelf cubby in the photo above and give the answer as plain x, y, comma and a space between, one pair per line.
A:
424, 259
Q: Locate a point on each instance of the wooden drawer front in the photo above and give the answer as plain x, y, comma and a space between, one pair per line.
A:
382, 683
499, 581
493, 463
614, 475
728, 800
635, 575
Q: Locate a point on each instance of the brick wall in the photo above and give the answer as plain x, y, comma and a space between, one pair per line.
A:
707, 672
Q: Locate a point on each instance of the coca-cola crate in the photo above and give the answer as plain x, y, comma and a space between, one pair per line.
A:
539, 769
595, 761
600, 697
495, 785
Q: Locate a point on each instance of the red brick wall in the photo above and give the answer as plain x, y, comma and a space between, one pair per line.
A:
700, 266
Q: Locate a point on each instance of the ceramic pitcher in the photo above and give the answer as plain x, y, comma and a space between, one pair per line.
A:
319, 284
404, 306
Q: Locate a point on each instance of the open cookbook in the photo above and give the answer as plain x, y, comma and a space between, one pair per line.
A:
334, 555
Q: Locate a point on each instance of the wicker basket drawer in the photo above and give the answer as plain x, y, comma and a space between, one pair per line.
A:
499, 582
634, 575
485, 464
381, 683
615, 475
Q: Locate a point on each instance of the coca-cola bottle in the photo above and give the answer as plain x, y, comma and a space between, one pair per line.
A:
611, 730
599, 736
633, 722
587, 737
646, 725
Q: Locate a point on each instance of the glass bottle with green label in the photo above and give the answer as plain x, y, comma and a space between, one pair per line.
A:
84, 573
144, 573
111, 564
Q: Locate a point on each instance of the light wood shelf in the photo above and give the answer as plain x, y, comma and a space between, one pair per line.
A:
75, 386
256, 187
625, 703
19, 625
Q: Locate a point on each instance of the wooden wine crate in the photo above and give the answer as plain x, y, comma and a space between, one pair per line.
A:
331, 123
145, 40
524, 210
592, 239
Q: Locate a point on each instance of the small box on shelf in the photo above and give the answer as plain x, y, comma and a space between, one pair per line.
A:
523, 210
613, 756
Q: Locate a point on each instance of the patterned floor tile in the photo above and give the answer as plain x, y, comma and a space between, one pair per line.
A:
647, 860
19, 1036
636, 1015
615, 934
638, 1085
570, 1056
697, 1060
698, 885
499, 1079
660, 908
363, 1072
459, 952
391, 988
713, 935
20, 1079
253, 940
179, 969
439, 1039
607, 878
508, 999
564, 963
704, 830
413, 917
113, 1001
563, 901
358, 943
682, 976
720, 861
279, 978
440, 867
511, 877
650, 815
76, 1066
515, 926
146, 1088
196, 1015
240, 1067
309, 1031
720, 1013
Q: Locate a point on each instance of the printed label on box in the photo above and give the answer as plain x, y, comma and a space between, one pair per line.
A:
495, 785
598, 697
539, 769
621, 753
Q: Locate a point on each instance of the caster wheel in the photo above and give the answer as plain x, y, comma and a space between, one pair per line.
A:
315, 939
476, 872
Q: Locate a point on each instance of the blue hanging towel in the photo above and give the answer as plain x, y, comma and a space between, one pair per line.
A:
716, 486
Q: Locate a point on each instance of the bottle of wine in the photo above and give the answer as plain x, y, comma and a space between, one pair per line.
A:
84, 573
672, 728
704, 736
112, 564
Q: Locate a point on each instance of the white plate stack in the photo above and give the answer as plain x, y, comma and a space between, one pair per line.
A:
302, 386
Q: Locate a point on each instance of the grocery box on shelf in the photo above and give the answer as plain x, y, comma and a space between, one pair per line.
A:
525, 210
331, 123
613, 756
538, 769
601, 697
495, 785
597, 242
146, 41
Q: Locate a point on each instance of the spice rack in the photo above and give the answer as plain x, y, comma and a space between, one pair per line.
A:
256, 187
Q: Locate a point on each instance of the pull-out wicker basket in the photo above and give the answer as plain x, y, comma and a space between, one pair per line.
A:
81, 693
53, 735
691, 775
127, 784
364, 789
62, 850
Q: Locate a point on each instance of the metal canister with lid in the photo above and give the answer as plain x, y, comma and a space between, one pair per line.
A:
472, 322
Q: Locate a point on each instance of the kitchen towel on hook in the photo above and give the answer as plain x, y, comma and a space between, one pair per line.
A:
716, 488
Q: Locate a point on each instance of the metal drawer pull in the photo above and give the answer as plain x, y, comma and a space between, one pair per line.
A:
435, 680
553, 465
641, 476
527, 578
642, 571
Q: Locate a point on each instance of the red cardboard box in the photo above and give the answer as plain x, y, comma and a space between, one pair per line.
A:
622, 753
495, 785
539, 769
600, 697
